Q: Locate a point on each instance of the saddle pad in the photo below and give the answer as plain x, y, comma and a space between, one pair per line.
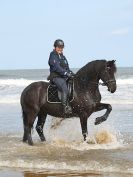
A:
52, 94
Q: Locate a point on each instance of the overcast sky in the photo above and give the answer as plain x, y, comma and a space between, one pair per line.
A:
91, 29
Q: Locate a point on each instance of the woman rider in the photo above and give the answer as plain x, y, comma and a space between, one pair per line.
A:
60, 72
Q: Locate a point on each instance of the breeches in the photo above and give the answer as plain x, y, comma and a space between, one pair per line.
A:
61, 84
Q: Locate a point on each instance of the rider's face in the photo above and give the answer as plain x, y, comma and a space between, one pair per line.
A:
59, 50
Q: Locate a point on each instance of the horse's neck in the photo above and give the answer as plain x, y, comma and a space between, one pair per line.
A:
88, 76
87, 83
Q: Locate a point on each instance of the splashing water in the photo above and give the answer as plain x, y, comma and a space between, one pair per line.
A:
98, 138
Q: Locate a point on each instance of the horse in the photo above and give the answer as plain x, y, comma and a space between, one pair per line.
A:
87, 99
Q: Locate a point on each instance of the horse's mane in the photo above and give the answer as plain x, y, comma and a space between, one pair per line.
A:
92, 69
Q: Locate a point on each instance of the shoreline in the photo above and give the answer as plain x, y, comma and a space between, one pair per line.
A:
21, 173
6, 172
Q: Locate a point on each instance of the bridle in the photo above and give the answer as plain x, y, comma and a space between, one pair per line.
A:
106, 82
109, 80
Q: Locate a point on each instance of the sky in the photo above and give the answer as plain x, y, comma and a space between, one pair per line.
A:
91, 29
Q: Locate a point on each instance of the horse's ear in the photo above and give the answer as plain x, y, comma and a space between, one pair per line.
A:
110, 63
113, 61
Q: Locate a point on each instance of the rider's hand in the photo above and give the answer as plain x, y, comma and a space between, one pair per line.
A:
70, 74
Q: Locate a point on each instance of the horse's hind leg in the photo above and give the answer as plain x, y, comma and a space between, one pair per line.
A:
100, 107
40, 125
28, 120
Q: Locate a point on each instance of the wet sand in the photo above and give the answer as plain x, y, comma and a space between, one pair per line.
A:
16, 173
10, 173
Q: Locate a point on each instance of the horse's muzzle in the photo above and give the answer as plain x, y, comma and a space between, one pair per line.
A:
112, 87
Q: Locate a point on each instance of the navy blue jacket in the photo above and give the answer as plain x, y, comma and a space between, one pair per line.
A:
58, 65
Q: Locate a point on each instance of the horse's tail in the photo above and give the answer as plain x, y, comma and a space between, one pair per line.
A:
25, 124
24, 116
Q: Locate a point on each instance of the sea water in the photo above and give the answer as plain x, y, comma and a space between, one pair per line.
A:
109, 146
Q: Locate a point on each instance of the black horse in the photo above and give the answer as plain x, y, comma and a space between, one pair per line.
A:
86, 98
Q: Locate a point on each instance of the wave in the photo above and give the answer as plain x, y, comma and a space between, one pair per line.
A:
11, 89
62, 167
24, 82
10, 99
124, 81
16, 82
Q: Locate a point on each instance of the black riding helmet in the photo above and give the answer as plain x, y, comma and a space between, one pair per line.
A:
59, 43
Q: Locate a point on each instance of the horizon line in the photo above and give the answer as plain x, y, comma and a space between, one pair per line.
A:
48, 68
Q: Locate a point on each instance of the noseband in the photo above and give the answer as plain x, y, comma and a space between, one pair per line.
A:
103, 83
106, 82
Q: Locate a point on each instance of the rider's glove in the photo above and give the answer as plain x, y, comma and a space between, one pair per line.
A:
70, 74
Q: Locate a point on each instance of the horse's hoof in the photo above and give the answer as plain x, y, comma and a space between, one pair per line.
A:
98, 121
86, 142
43, 139
30, 143
24, 141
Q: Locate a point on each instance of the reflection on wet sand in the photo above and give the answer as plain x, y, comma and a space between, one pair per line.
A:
31, 174
28, 174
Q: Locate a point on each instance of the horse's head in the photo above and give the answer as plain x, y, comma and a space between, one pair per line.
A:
107, 75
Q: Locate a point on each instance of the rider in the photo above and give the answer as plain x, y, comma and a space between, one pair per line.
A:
60, 72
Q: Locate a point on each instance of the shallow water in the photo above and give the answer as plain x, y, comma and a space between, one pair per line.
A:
108, 148
107, 152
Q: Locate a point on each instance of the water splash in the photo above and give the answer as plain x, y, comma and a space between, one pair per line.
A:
62, 134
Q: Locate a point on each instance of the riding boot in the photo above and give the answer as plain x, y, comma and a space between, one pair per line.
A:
66, 107
69, 108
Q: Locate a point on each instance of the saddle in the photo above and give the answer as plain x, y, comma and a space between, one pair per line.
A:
54, 95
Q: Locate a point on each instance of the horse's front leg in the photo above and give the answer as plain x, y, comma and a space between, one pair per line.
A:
100, 107
83, 122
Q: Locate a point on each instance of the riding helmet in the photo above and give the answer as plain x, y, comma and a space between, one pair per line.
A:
59, 43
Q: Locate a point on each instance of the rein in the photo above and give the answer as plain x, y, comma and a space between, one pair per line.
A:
97, 84
103, 84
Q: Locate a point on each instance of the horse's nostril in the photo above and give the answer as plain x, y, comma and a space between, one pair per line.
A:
113, 90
